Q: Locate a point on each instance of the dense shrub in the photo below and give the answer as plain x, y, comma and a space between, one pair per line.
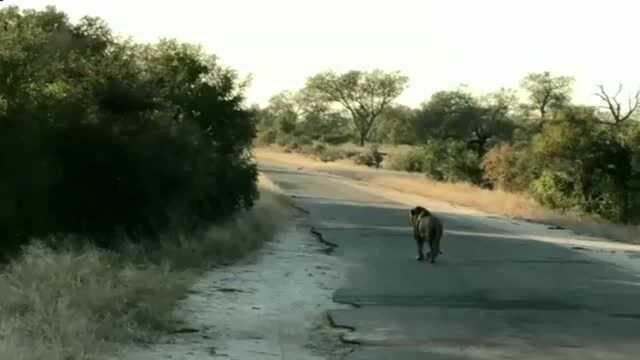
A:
109, 136
351, 153
323, 152
371, 157
508, 168
319, 148
554, 190
267, 137
440, 160
409, 160
336, 138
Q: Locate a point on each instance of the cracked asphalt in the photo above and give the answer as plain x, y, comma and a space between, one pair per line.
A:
493, 294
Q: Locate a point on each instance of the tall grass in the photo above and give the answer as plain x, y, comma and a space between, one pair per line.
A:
80, 302
493, 201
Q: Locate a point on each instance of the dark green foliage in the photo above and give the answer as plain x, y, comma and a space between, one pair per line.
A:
398, 125
106, 136
451, 161
593, 160
459, 116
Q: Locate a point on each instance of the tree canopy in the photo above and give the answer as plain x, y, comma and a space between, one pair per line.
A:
365, 95
99, 135
547, 93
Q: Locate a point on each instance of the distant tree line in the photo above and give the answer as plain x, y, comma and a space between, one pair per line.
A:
567, 156
100, 136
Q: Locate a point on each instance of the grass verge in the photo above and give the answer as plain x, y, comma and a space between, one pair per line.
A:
497, 202
80, 303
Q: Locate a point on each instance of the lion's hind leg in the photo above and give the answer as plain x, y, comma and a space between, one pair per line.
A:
435, 234
420, 244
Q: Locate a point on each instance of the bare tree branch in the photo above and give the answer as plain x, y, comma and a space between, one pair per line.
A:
614, 106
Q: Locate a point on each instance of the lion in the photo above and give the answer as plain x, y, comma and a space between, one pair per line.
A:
426, 227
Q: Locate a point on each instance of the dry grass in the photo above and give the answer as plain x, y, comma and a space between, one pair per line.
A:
490, 201
80, 303
274, 154
496, 202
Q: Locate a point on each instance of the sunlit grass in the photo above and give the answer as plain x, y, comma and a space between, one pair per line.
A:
492, 201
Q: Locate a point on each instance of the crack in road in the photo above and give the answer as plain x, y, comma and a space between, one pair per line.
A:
330, 245
351, 329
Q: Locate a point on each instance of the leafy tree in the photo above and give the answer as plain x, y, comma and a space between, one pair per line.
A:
447, 115
302, 117
320, 121
397, 126
285, 112
497, 123
547, 93
586, 162
621, 131
570, 149
98, 135
365, 95
457, 115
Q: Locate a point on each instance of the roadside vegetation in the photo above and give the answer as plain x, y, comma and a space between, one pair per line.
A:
82, 301
125, 172
539, 156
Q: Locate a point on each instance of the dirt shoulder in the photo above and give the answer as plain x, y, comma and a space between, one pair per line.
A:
269, 305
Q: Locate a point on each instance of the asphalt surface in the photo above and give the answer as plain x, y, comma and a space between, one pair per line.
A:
487, 297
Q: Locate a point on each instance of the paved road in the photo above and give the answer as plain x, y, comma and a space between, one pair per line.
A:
488, 297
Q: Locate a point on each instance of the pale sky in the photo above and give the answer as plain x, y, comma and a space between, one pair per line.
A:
485, 44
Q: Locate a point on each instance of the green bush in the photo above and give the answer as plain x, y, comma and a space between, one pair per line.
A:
319, 148
323, 152
508, 168
111, 137
441, 161
560, 191
370, 157
410, 160
554, 190
267, 137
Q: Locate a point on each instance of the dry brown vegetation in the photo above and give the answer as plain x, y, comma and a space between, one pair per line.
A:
515, 205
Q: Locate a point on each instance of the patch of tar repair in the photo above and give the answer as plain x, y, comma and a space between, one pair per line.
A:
271, 306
